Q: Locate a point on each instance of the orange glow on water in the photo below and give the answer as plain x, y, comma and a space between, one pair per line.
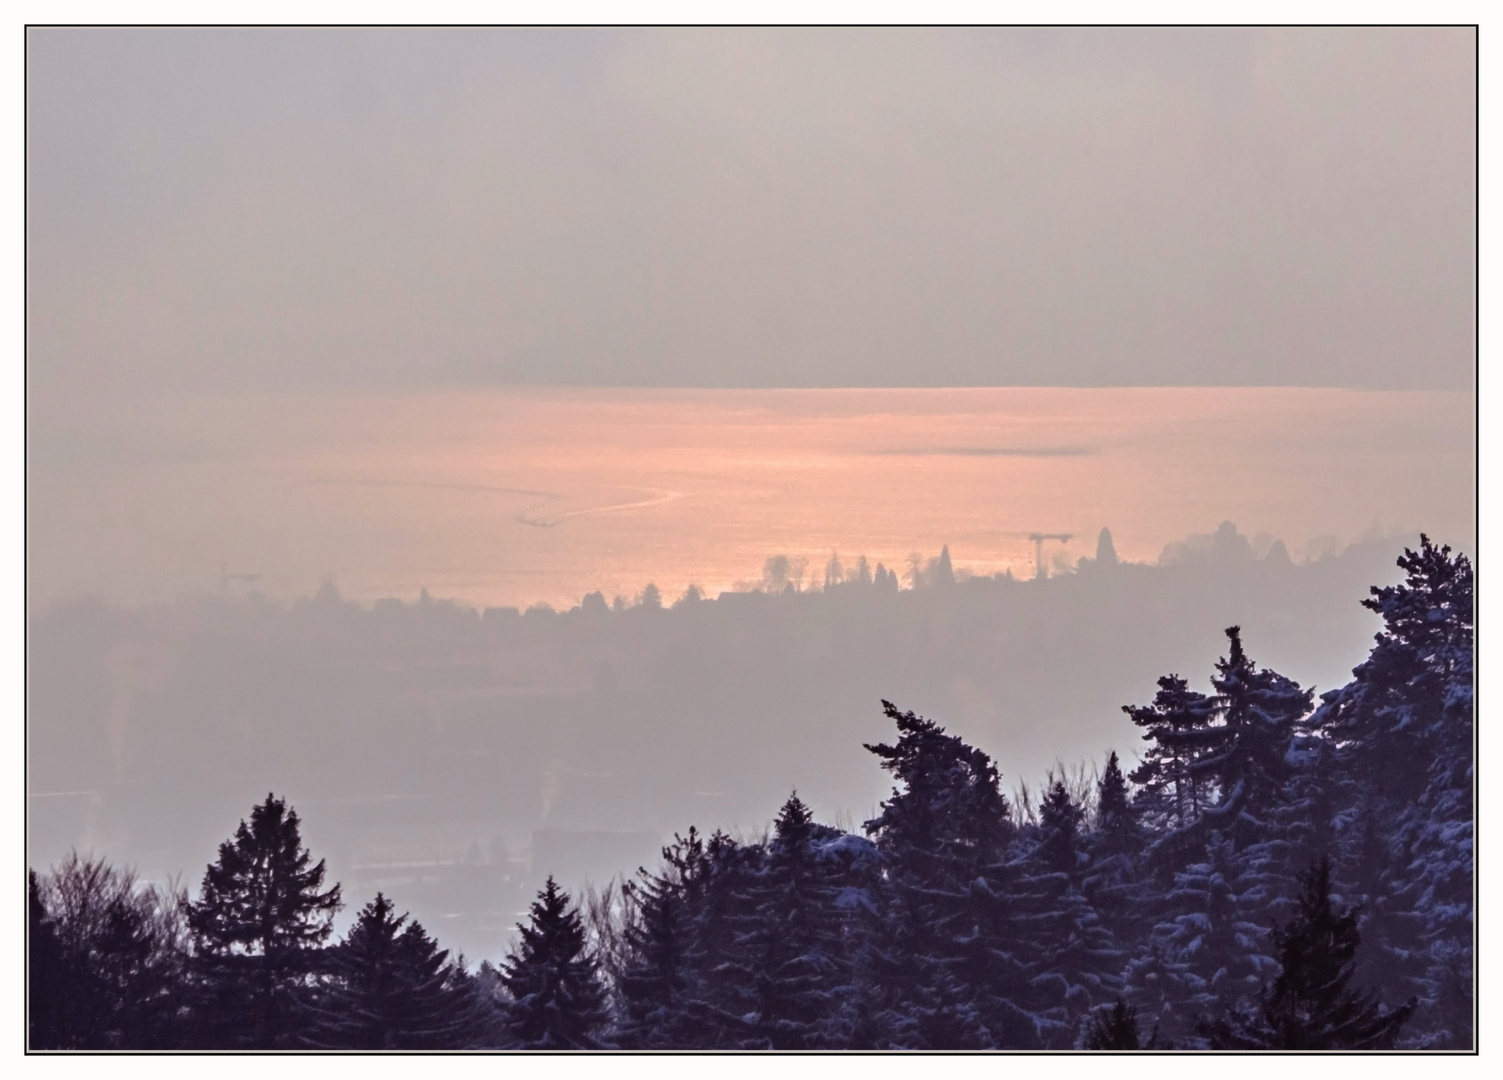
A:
519, 496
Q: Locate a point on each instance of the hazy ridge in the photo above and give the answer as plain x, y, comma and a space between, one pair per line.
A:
431, 747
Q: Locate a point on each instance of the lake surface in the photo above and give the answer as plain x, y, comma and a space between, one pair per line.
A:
515, 497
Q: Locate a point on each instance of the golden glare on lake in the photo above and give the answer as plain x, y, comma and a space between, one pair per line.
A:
514, 497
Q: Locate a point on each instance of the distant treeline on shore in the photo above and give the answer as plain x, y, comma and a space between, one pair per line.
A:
1273, 874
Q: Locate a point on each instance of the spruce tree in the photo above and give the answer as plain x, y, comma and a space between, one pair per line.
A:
1075, 961
1246, 756
1060, 818
1115, 815
391, 988
1412, 696
1206, 949
947, 952
1176, 725
950, 815
1156, 977
1404, 731
660, 981
557, 1000
1111, 880
693, 942
1310, 1005
799, 960
728, 950
259, 923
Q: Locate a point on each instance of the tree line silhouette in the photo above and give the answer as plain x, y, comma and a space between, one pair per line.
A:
1267, 877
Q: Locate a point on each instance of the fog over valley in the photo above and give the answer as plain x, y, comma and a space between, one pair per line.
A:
455, 756
750, 538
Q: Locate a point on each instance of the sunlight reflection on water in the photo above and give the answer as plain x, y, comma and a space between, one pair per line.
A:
510, 497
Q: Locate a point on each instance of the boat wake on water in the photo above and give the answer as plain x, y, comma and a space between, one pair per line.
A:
527, 516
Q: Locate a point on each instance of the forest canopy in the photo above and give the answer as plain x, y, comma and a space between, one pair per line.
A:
1275, 872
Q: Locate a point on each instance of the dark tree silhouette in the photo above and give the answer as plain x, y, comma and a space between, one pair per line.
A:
1074, 961
947, 953
661, 979
1246, 755
1112, 1028
1310, 1006
558, 1002
796, 952
44, 970
1114, 814
1404, 728
1110, 881
258, 925
1175, 724
114, 960
1424, 654
950, 815
1060, 818
955, 926
391, 989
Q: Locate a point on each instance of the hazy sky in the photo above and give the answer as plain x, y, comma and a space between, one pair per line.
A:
283, 210
268, 269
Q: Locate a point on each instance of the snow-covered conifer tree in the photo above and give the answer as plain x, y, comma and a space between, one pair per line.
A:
1310, 1005
661, 978
942, 944
1403, 730
1175, 724
391, 988
557, 1001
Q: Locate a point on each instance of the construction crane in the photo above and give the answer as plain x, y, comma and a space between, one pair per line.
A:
225, 577
1038, 550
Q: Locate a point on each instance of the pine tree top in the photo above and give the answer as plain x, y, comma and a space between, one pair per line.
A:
558, 1001
1112, 804
1434, 604
951, 796
262, 896
556, 932
1058, 810
794, 822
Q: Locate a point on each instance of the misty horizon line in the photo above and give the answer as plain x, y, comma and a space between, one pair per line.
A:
784, 574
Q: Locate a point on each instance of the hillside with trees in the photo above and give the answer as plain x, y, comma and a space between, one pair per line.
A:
1276, 872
